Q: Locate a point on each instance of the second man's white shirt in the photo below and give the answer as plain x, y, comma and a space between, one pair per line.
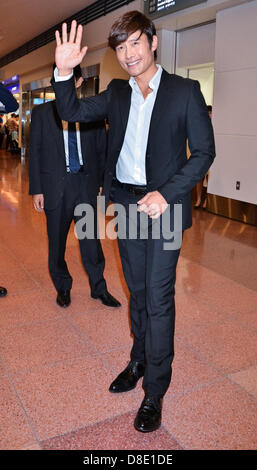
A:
66, 143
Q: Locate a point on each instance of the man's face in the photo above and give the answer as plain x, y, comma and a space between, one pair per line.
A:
135, 55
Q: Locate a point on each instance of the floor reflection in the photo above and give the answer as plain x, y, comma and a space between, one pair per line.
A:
56, 367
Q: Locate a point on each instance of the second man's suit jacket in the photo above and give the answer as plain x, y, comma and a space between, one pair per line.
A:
47, 164
179, 113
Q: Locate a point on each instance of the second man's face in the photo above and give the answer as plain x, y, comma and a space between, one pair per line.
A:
135, 55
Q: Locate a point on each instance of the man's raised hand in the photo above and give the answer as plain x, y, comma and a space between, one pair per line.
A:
68, 51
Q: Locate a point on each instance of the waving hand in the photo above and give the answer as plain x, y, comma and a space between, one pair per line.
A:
68, 51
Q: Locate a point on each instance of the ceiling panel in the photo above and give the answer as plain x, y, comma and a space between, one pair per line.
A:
22, 20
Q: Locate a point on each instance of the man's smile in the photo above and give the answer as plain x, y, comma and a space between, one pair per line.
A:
130, 64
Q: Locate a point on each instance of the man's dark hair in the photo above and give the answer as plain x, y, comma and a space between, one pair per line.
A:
128, 24
209, 107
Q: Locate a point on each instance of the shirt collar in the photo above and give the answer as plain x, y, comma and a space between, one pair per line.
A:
154, 82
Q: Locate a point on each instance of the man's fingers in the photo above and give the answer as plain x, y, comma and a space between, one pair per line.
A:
38, 202
73, 31
144, 199
64, 32
83, 52
58, 39
143, 208
79, 35
154, 214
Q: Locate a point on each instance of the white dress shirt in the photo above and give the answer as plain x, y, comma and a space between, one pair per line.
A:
66, 143
130, 167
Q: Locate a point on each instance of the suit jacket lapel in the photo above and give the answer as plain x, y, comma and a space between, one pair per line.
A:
55, 124
161, 102
83, 140
124, 102
160, 105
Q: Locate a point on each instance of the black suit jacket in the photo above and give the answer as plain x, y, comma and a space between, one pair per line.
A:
179, 113
47, 166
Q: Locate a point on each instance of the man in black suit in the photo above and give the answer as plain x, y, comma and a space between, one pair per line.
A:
150, 119
10, 104
66, 164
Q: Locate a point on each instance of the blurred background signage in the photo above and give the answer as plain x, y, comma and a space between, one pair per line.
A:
156, 8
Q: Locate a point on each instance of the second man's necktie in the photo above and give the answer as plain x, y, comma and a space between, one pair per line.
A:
74, 164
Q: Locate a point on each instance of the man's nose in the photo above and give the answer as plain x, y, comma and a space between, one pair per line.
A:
129, 52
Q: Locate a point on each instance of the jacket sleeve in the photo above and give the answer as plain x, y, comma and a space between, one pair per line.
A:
71, 109
8, 100
34, 153
202, 148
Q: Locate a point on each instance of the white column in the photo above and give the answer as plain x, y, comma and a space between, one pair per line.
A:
235, 104
166, 49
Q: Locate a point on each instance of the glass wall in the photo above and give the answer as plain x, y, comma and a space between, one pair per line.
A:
195, 55
195, 60
205, 76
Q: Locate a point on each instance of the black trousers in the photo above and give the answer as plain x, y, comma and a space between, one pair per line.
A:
58, 225
150, 273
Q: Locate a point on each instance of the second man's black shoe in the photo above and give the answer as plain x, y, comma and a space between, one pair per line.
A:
107, 299
149, 415
63, 297
128, 378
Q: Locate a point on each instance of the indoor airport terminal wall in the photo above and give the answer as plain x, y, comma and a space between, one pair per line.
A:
213, 42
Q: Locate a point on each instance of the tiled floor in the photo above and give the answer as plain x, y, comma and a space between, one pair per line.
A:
56, 365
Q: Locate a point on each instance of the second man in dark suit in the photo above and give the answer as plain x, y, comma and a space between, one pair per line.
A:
66, 164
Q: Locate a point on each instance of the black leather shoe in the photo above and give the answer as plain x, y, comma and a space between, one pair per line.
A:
107, 299
63, 298
3, 291
128, 378
149, 415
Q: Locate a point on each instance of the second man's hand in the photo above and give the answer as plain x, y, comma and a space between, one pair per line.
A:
38, 202
68, 51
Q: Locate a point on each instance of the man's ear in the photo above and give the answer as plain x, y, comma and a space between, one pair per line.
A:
154, 43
